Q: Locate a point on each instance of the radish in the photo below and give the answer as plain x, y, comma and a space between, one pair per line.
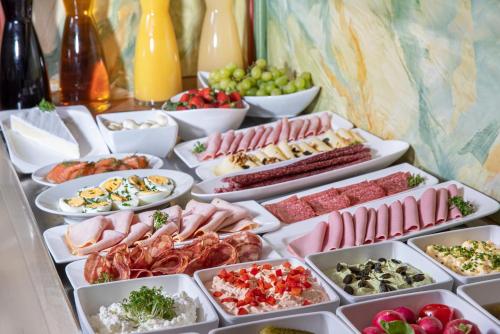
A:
386, 316
407, 314
461, 326
417, 329
373, 330
431, 325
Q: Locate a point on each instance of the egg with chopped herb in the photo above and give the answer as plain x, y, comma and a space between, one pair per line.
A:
135, 184
151, 196
160, 183
73, 204
93, 194
97, 206
123, 202
114, 184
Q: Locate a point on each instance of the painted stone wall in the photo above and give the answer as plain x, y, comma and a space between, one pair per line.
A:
423, 71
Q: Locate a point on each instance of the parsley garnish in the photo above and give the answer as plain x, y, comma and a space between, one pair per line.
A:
465, 207
415, 180
148, 303
47, 106
199, 147
159, 219
104, 277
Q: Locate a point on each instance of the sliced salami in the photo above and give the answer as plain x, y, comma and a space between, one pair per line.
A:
248, 252
221, 254
174, 263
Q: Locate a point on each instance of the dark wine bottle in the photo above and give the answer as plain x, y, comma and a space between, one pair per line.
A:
23, 76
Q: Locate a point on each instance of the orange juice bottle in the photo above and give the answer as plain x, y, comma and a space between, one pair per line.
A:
157, 69
219, 43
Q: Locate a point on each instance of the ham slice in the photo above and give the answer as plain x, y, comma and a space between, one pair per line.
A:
263, 140
259, 131
442, 206
360, 224
349, 236
382, 222
275, 135
169, 229
314, 126
427, 208
243, 225
145, 217
108, 239
411, 219
189, 225
453, 213
303, 129
309, 243
85, 233
213, 223
120, 221
295, 129
213, 144
205, 210
371, 228
335, 232
235, 144
285, 130
246, 140
325, 123
137, 232
227, 140
237, 212
396, 219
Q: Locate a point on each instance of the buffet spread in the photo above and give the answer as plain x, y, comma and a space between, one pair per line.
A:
266, 229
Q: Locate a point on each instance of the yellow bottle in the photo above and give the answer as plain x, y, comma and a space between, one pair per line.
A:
157, 69
219, 42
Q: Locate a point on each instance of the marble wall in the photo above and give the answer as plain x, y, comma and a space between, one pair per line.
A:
423, 71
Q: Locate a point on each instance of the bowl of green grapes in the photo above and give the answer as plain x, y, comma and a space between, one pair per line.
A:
271, 92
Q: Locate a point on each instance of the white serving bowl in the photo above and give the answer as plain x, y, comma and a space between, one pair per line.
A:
156, 141
89, 299
286, 105
358, 316
199, 123
480, 293
315, 322
390, 249
450, 238
206, 275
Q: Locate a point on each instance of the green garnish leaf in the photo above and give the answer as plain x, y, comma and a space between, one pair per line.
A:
104, 277
148, 303
199, 147
415, 180
159, 219
47, 106
465, 207
396, 327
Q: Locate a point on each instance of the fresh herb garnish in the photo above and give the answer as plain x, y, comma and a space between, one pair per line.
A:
199, 147
104, 277
148, 303
415, 180
159, 219
45, 105
172, 106
465, 207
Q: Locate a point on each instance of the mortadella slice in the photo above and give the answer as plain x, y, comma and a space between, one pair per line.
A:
213, 144
246, 140
396, 219
325, 123
314, 126
360, 225
453, 213
335, 232
259, 131
309, 243
303, 129
371, 228
442, 206
285, 130
227, 140
427, 208
242, 225
137, 232
382, 223
85, 233
411, 217
235, 144
108, 239
189, 225
265, 136
120, 221
275, 135
295, 128
213, 223
349, 234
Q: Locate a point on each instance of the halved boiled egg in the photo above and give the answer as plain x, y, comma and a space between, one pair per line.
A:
160, 183
93, 194
73, 204
124, 202
98, 206
114, 184
135, 184
151, 196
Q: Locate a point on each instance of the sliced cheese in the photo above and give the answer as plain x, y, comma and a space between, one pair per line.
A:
306, 148
357, 137
319, 145
334, 140
286, 150
259, 156
47, 129
273, 151
226, 166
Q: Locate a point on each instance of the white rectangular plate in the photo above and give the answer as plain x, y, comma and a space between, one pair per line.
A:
88, 300
27, 155
358, 316
480, 294
452, 238
54, 237
203, 276
484, 207
390, 250
74, 270
185, 150
384, 152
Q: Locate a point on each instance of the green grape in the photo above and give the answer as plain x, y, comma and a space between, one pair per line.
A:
239, 86
281, 81
266, 76
256, 72
306, 76
251, 92
282, 71
225, 73
252, 81
289, 88
300, 83
308, 84
238, 73
261, 63
215, 86
224, 83
261, 92
260, 83
246, 84
276, 91
270, 87
231, 86
230, 67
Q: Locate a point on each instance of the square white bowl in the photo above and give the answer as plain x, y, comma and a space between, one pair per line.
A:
358, 316
456, 237
481, 293
206, 275
316, 322
156, 141
89, 299
390, 249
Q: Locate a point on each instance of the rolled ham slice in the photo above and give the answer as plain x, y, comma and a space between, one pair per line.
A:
259, 131
453, 213
235, 144
265, 136
120, 221
325, 123
285, 130
371, 228
295, 129
169, 229
411, 218
309, 243
213, 144
314, 126
145, 217
396, 219
349, 236
237, 212
360, 224
137, 232
275, 135
243, 225
335, 232
108, 239
303, 129
427, 208
227, 140
189, 225
205, 210
382, 223
213, 223
85, 233
442, 206
246, 140
174, 215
